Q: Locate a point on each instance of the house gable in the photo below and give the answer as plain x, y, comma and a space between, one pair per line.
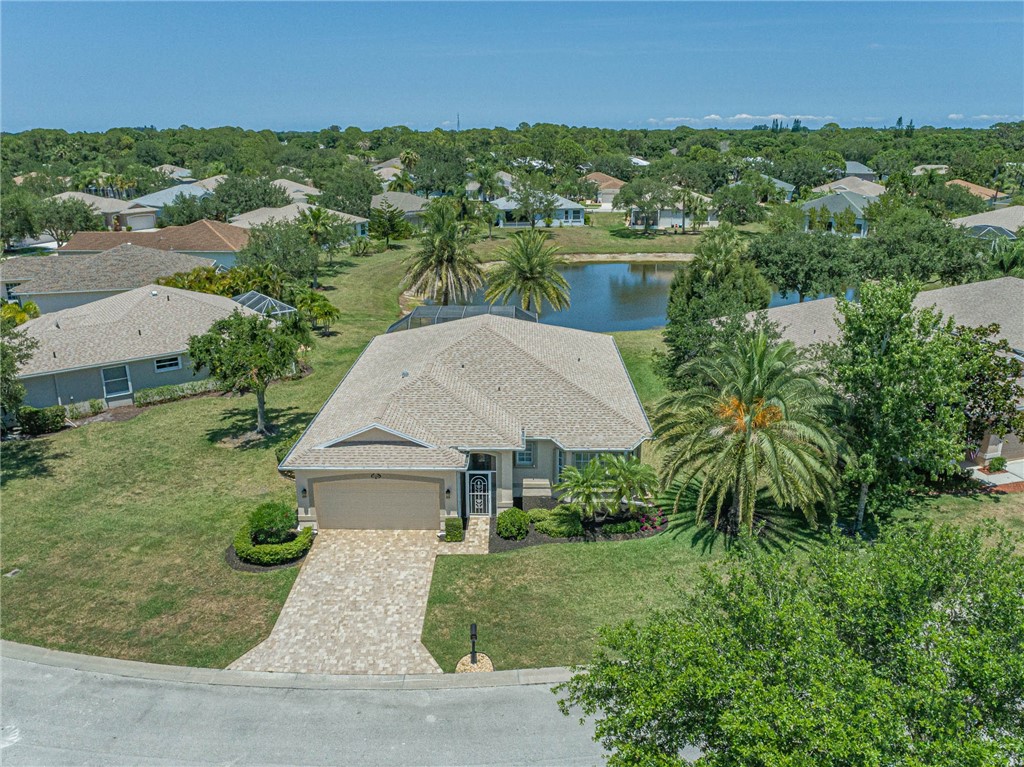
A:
375, 434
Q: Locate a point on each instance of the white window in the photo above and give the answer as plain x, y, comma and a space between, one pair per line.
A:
525, 457
116, 381
163, 364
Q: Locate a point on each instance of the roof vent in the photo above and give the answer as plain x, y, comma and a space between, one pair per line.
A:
405, 374
152, 292
55, 355
140, 331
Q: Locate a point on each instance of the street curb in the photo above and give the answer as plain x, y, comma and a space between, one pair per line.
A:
156, 672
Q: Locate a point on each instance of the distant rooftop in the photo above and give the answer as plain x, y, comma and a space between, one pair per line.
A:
434, 315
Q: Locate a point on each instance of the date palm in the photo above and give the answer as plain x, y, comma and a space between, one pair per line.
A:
529, 267
402, 182
753, 422
444, 268
585, 489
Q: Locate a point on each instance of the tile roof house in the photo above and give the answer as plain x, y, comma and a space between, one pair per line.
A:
852, 184
991, 196
110, 349
64, 281
298, 192
565, 213
1002, 222
206, 239
159, 200
840, 202
292, 213
117, 214
459, 418
860, 170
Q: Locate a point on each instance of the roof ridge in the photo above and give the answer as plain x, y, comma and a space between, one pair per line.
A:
470, 398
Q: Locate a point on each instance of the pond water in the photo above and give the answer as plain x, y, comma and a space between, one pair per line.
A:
607, 297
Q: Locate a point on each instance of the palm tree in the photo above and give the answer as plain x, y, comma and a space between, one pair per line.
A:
318, 309
1007, 259
753, 422
584, 489
322, 227
490, 184
402, 182
444, 268
629, 479
409, 160
529, 267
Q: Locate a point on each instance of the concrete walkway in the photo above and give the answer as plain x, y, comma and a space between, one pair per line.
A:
357, 607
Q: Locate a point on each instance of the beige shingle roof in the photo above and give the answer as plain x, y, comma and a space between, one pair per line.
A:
286, 213
298, 192
852, 184
480, 382
146, 322
199, 237
105, 204
1010, 217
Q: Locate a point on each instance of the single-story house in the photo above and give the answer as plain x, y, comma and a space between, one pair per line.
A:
921, 170
211, 183
395, 163
112, 348
1002, 222
411, 205
462, 418
174, 171
991, 196
860, 170
64, 281
639, 162
607, 187
977, 304
840, 202
676, 217
852, 184
117, 214
206, 239
159, 200
292, 212
565, 213
298, 192
387, 175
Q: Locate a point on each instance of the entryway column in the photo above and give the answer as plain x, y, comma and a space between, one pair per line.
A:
505, 481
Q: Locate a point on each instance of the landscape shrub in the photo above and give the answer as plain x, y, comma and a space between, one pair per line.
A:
97, 406
561, 522
35, 421
628, 527
271, 522
513, 524
997, 464
286, 444
173, 392
539, 515
453, 532
269, 554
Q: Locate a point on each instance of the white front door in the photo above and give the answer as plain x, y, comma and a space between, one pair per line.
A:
478, 493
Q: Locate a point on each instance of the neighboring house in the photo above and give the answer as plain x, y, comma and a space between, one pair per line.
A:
462, 418
62, 281
291, 213
640, 162
565, 213
175, 171
211, 183
206, 239
991, 196
977, 304
607, 187
921, 170
676, 217
110, 349
387, 175
264, 304
117, 214
840, 202
393, 164
506, 179
852, 184
1004, 222
159, 200
411, 205
860, 170
298, 192
784, 187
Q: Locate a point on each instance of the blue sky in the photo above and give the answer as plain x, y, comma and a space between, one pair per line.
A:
295, 65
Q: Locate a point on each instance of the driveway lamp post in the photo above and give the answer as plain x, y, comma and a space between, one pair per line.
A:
472, 641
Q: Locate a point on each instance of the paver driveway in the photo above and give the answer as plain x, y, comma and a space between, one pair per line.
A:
357, 607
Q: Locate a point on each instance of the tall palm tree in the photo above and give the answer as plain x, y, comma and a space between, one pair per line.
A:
409, 160
444, 268
402, 182
322, 227
753, 422
529, 267
490, 184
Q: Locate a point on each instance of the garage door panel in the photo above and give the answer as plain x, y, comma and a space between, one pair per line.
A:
377, 504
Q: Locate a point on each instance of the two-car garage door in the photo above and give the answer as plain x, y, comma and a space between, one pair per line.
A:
377, 504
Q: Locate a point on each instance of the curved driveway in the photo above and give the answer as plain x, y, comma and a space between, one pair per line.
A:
61, 715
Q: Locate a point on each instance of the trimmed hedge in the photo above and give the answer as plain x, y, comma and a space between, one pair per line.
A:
561, 522
173, 392
453, 532
269, 554
35, 421
271, 522
997, 464
513, 524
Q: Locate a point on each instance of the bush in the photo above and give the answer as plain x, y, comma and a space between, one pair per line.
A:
997, 464
453, 532
513, 524
35, 421
622, 528
269, 554
271, 522
286, 444
173, 392
97, 406
561, 522
539, 515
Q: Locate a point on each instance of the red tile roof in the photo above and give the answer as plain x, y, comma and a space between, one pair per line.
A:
977, 190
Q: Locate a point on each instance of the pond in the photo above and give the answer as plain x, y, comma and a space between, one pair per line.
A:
609, 297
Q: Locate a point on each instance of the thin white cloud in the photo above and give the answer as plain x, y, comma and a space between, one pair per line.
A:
740, 117
955, 116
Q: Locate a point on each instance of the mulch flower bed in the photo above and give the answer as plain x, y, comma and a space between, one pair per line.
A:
497, 544
237, 564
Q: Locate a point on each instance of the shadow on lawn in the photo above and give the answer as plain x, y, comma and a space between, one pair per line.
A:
238, 423
775, 531
28, 458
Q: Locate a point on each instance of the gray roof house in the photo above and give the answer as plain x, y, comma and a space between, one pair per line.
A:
852, 184
291, 213
462, 417
860, 170
840, 202
174, 171
411, 205
298, 192
112, 348
64, 281
565, 213
117, 214
1002, 222
159, 200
